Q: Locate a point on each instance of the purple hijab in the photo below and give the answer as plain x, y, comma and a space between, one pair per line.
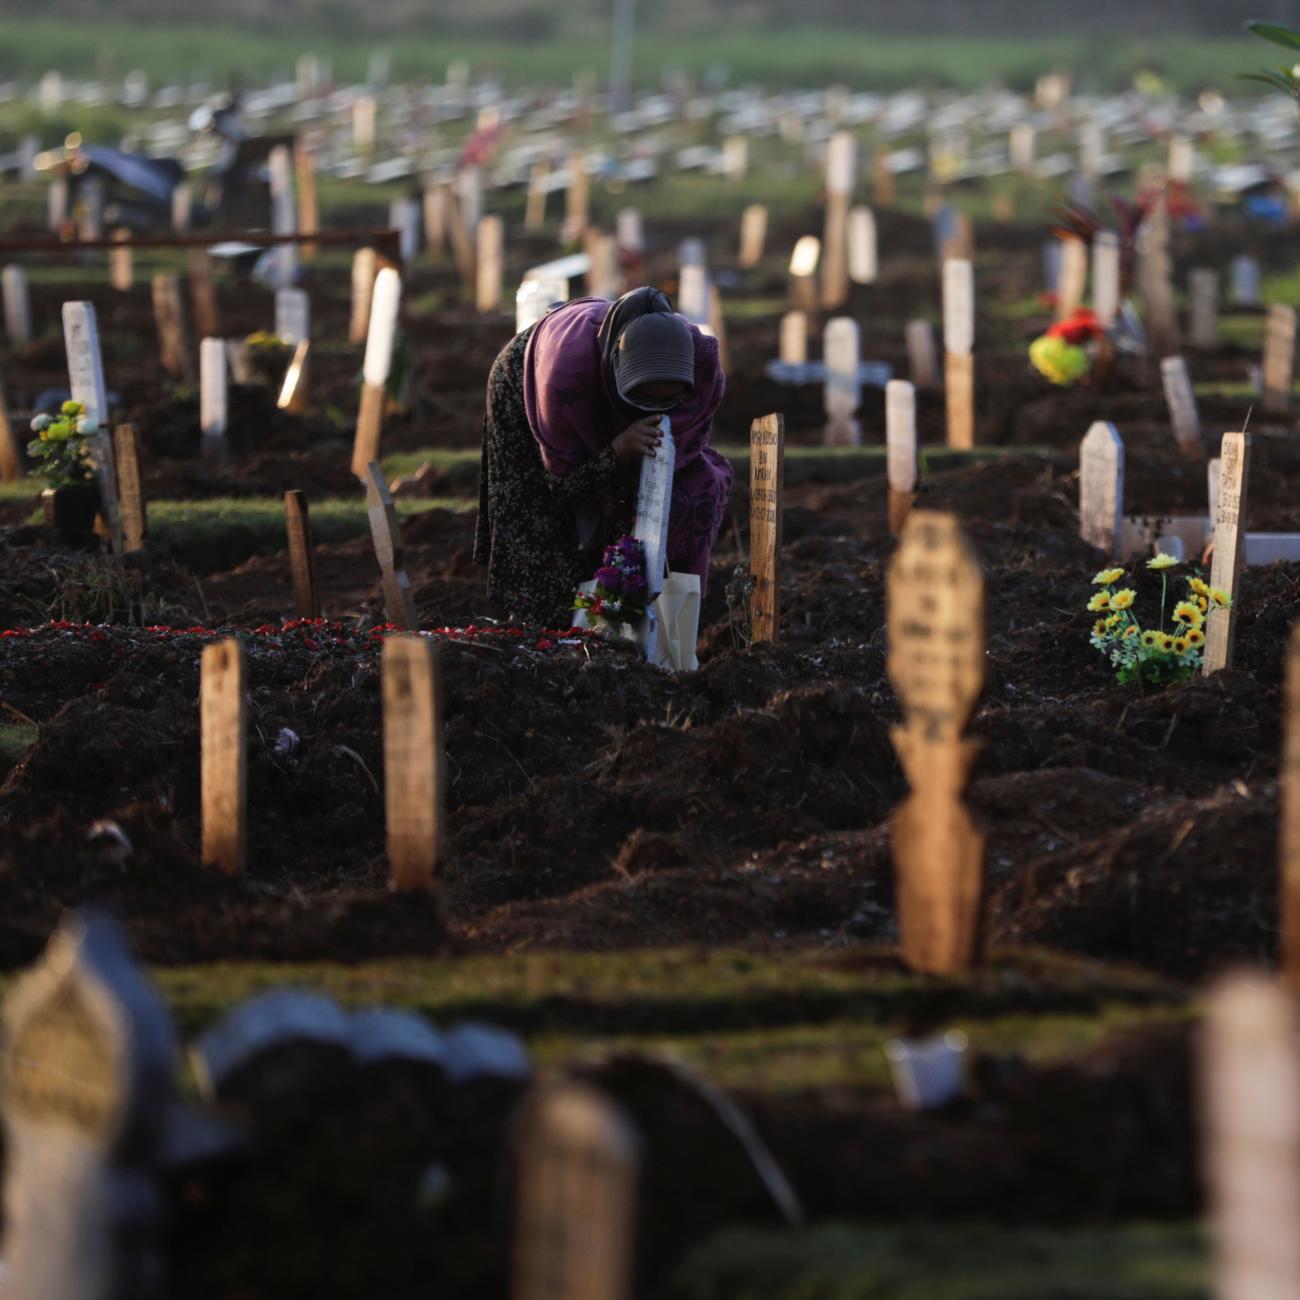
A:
575, 412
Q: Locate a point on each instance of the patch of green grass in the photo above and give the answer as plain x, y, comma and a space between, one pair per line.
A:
1244, 331
1167, 1261
16, 738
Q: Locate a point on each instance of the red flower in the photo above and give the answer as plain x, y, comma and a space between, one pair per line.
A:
1077, 329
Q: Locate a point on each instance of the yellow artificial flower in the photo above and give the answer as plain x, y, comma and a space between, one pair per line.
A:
1101, 627
71, 408
1107, 577
1166, 642
1161, 561
1181, 645
1099, 602
1220, 598
1203, 603
1150, 640
1123, 599
1187, 612
1199, 586
1131, 630
1195, 637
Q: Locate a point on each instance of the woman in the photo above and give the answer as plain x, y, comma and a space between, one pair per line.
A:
573, 406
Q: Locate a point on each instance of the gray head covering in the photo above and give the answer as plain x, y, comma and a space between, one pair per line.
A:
655, 348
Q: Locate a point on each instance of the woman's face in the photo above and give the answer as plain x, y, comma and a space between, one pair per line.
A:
661, 395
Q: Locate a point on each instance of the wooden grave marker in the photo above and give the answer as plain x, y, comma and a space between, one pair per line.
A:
182, 207
864, 258
203, 294
386, 535
365, 267
169, 317
629, 233
693, 294
577, 210
1180, 397
293, 391
1279, 358
436, 218
766, 520
1203, 291
460, 233
1229, 549
1101, 488
900, 451
56, 205
753, 236
223, 720
1023, 143
1182, 159
735, 157
488, 264
884, 188
1289, 818
121, 265
18, 305
717, 326
841, 175
11, 455
842, 350
414, 769
922, 355
302, 555
794, 338
375, 369
1155, 282
86, 380
577, 1160
1072, 283
1249, 1076
304, 167
803, 270
1106, 264
959, 341
130, 485
936, 665
539, 175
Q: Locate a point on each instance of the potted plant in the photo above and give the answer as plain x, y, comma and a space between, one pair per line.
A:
62, 454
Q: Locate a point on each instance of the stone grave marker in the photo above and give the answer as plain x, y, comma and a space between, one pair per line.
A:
488, 264
1106, 257
18, 306
1229, 549
302, 555
936, 664
386, 535
959, 341
130, 484
169, 316
1289, 817
1249, 1074
375, 368
604, 279
922, 355
223, 722
1180, 397
1245, 281
794, 338
900, 448
365, 267
213, 388
577, 1159
121, 268
842, 348
1101, 488
86, 1084
203, 293
237, 360
1203, 286
803, 268
766, 516
413, 762
753, 235
864, 262
1073, 281
86, 381
1279, 358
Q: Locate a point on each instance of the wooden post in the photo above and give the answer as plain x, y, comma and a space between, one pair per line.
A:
864, 259
413, 762
294, 390
1229, 549
753, 236
121, 271
578, 198
900, 451
365, 267
1101, 488
936, 664
435, 219
1106, 256
304, 166
223, 727
959, 340
1180, 397
1023, 144
461, 235
302, 555
884, 189
535, 208
1249, 1076
1279, 358
375, 369
130, 485
577, 1160
766, 516
841, 172
794, 338
213, 388
18, 306
203, 294
1289, 817
921, 358
491, 251
11, 458
169, 316
386, 534
803, 270
1073, 281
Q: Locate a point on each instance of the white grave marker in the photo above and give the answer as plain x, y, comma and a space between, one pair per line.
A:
900, 445
292, 315
213, 388
18, 306
842, 349
864, 264
1106, 277
1101, 488
1180, 397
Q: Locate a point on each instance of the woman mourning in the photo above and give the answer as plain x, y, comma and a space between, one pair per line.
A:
574, 404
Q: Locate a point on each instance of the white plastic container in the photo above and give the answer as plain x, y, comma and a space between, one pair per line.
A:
928, 1072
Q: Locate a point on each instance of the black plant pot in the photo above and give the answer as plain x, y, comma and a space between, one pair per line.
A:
72, 511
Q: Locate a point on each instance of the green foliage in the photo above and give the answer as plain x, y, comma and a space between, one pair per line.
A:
1285, 79
60, 448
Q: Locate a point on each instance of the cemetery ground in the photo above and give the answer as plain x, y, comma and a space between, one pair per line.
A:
696, 863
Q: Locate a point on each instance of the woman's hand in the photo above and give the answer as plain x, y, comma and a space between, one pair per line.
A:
639, 439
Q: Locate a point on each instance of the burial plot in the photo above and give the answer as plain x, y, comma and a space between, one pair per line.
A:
1279, 358
1101, 488
959, 341
766, 516
753, 235
386, 535
842, 351
302, 555
1180, 397
922, 355
130, 485
169, 317
900, 445
936, 665
413, 762
223, 721
375, 368
18, 306
86, 380
1249, 1074
577, 1159
1229, 549
86, 1083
